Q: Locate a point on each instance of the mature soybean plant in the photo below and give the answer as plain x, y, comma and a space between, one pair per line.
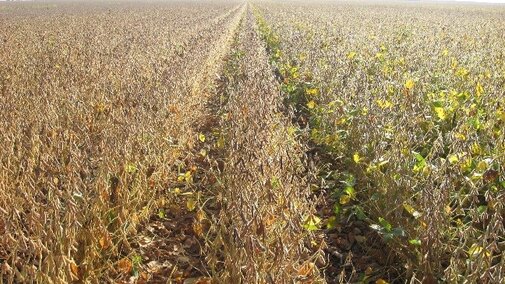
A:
410, 101
99, 104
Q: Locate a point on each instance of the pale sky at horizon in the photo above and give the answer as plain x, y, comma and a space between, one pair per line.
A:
477, 1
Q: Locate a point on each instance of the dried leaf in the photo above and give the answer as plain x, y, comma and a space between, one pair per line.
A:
344, 199
74, 269
198, 228
125, 265
104, 241
490, 175
306, 269
191, 204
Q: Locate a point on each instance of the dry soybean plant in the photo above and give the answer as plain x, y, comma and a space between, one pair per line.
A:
258, 235
98, 112
118, 119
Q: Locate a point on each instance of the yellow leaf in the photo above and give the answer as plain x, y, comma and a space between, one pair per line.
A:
311, 91
203, 152
351, 55
198, 227
409, 84
130, 168
356, 158
191, 204
409, 208
476, 149
368, 271
291, 130
344, 199
482, 166
312, 222
381, 281
460, 136
462, 72
440, 113
201, 137
384, 103
188, 177
220, 142
501, 115
447, 209
311, 104
476, 250
479, 90
453, 159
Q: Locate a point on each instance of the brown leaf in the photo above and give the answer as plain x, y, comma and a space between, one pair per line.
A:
306, 269
74, 269
143, 277
490, 176
125, 265
150, 171
197, 228
200, 215
104, 241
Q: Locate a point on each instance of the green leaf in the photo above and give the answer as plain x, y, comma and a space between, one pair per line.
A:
275, 182
415, 242
332, 222
358, 211
350, 191
312, 223
385, 224
398, 232
438, 104
420, 164
336, 209
482, 209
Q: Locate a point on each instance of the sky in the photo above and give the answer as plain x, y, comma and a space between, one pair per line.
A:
478, 1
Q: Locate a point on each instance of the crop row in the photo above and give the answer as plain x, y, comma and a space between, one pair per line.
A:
99, 111
409, 100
